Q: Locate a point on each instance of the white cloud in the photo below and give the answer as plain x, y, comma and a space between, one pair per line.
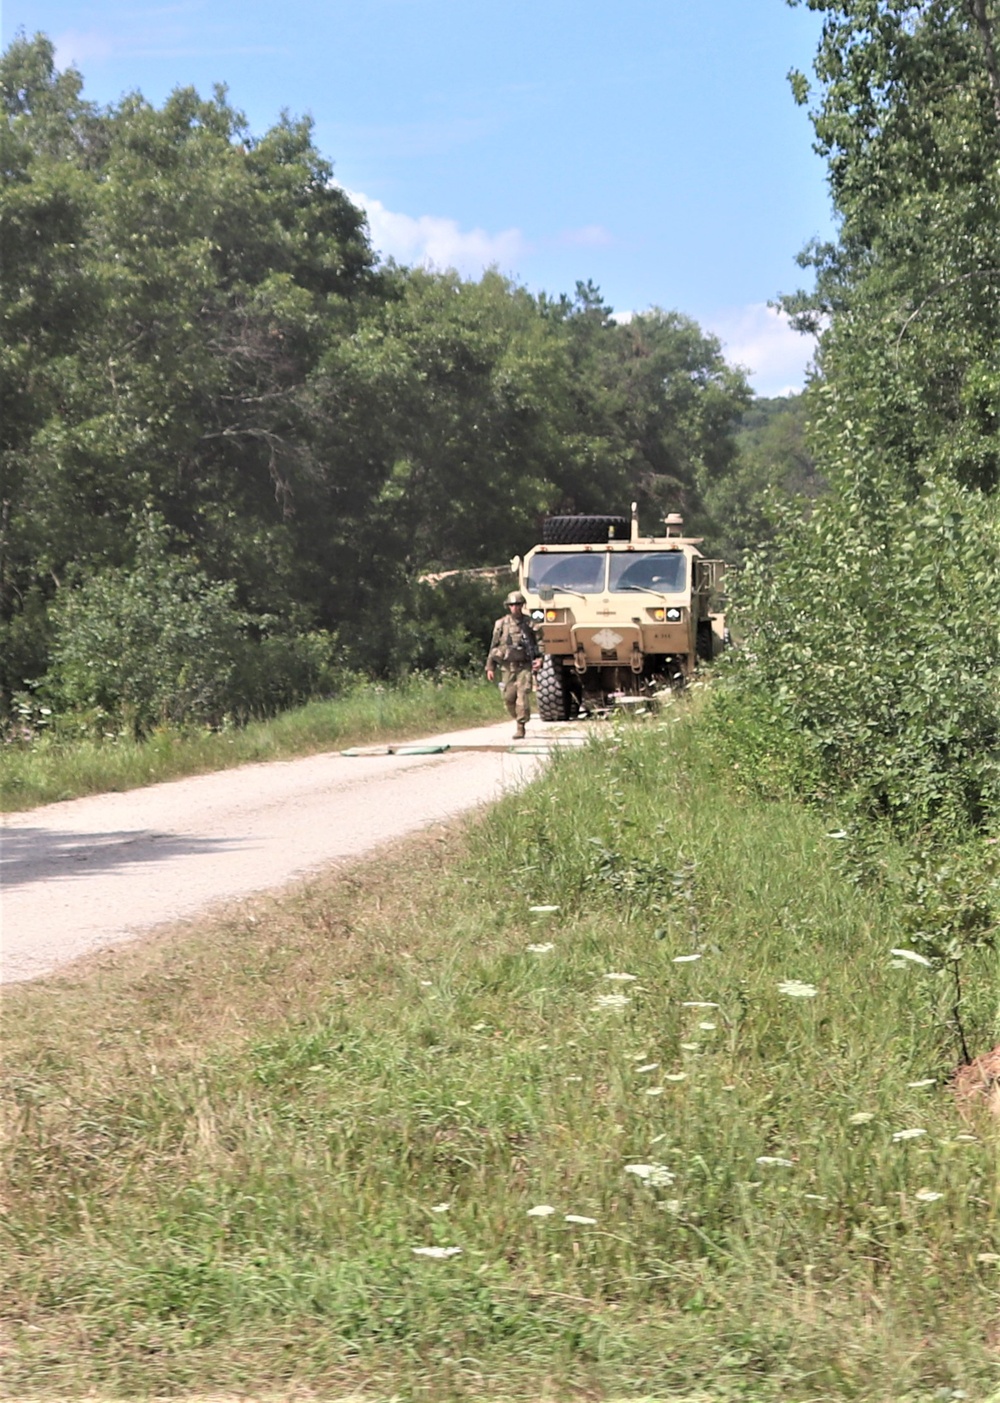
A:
590, 236
435, 241
759, 338
78, 49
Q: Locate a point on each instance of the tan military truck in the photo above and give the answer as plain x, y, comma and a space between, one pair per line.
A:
619, 616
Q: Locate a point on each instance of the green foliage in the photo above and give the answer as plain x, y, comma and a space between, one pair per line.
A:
773, 459
163, 643
192, 324
870, 625
867, 639
155, 643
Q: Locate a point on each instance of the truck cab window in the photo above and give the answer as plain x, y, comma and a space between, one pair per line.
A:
662, 571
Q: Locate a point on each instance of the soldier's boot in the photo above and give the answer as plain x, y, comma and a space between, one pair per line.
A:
519, 731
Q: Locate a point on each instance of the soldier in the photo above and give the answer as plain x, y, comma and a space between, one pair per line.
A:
514, 648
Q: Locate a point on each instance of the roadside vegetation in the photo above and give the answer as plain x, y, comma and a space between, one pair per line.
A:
41, 768
625, 1089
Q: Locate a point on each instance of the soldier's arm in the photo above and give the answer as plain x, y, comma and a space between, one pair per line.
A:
493, 655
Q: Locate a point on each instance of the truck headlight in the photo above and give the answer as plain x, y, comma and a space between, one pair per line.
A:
537, 615
673, 616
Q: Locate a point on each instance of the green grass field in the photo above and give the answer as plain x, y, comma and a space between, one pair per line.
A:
52, 769
410, 1134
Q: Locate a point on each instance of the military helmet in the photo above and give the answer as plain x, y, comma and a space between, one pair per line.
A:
515, 597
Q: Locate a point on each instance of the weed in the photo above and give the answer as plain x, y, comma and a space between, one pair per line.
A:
366, 1137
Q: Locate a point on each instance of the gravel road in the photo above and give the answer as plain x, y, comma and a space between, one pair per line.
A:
88, 873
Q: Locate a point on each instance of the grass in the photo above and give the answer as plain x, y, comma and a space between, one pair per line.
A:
51, 769
223, 1149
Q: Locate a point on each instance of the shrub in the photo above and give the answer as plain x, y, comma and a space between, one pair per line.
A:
873, 655
161, 642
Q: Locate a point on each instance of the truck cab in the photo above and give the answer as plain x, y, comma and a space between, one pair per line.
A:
623, 617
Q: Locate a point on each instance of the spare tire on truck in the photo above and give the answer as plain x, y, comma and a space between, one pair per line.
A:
584, 530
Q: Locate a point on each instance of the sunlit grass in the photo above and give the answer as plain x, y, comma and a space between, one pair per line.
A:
51, 769
416, 1132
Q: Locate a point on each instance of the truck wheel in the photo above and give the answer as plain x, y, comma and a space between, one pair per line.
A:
705, 645
584, 530
553, 695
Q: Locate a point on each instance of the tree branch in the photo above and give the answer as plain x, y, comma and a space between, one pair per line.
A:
982, 21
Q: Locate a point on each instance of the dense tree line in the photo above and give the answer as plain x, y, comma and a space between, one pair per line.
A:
215, 396
874, 662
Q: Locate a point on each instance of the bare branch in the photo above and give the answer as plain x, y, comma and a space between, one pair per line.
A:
943, 287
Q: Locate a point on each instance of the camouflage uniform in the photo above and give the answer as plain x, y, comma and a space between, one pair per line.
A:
513, 649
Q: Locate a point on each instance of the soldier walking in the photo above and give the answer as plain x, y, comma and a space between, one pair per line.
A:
514, 650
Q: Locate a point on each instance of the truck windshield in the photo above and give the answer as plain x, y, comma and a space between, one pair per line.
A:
583, 573
665, 572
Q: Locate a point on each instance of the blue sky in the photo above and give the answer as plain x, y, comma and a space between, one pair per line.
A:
650, 145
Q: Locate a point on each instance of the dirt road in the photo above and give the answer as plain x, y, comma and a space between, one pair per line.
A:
82, 875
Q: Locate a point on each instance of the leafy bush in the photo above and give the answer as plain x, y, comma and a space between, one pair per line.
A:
873, 656
162, 642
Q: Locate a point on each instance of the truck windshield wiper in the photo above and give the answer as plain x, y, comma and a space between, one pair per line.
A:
640, 589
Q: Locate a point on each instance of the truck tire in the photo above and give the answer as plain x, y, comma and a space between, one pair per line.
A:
554, 700
583, 530
705, 646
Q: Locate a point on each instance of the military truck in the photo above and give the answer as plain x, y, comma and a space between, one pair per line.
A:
619, 616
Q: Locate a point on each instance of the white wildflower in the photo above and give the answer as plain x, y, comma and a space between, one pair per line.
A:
861, 1118
437, 1252
542, 910
913, 1134
440, 1207
576, 1218
837, 833
707, 1027
795, 989
541, 949
912, 956
479, 1027
615, 1001
426, 983
674, 1076
572, 1078
648, 1067
775, 1159
654, 1090
918, 1085
622, 978
927, 1195
656, 1175
541, 1210
685, 959
672, 1205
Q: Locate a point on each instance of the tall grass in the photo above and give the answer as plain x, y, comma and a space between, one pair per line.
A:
224, 1152
50, 768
